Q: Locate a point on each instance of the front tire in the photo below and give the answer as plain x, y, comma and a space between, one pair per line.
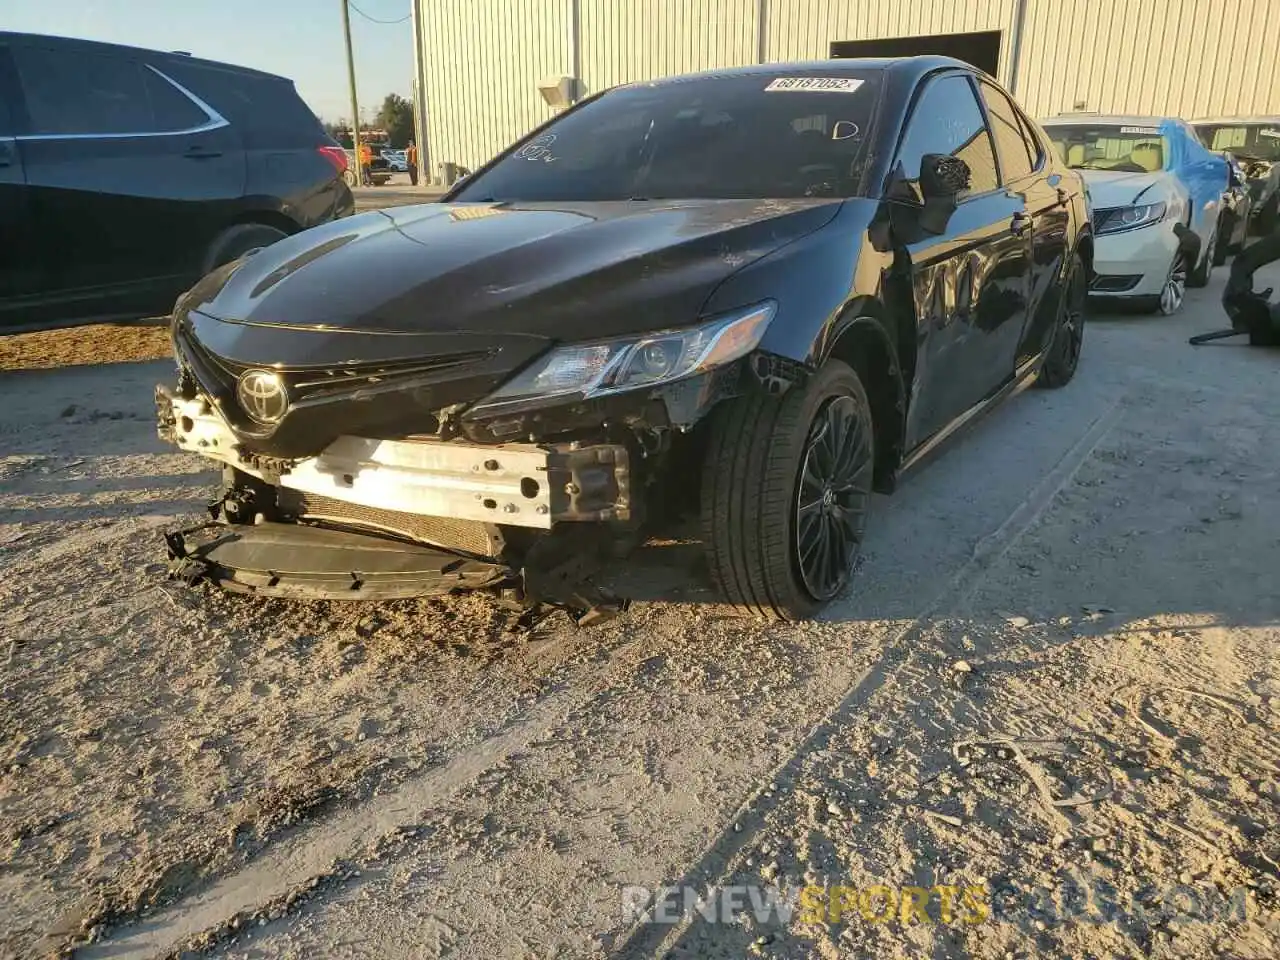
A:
1225, 248
1199, 277
786, 486
1170, 299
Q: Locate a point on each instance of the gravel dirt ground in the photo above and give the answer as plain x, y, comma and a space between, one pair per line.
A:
1056, 673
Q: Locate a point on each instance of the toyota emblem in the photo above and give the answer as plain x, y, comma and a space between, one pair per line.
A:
262, 396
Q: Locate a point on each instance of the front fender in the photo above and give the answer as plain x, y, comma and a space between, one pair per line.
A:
813, 279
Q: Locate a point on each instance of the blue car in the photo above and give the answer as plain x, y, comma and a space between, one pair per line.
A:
1157, 195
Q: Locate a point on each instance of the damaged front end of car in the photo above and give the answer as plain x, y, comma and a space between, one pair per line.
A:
518, 466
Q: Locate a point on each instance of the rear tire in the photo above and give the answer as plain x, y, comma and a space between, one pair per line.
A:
1063, 356
786, 485
236, 241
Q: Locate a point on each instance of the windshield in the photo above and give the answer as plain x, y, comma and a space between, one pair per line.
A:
730, 137
1101, 147
1250, 141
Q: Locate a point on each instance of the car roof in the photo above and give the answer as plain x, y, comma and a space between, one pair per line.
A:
910, 66
1250, 118
119, 49
1108, 119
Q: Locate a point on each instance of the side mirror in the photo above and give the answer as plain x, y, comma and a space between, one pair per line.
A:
943, 177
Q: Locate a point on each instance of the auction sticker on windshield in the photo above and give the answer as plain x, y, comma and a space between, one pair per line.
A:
828, 84
1142, 131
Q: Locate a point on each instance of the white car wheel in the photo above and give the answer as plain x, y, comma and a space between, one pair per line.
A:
1175, 287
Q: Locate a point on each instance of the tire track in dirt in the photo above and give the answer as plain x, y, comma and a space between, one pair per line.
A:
293, 861
647, 939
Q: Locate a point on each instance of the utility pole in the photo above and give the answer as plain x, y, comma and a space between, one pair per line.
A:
355, 104
419, 96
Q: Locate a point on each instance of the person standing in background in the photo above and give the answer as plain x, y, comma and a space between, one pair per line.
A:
366, 162
411, 155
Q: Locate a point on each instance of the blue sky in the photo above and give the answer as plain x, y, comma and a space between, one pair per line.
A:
301, 39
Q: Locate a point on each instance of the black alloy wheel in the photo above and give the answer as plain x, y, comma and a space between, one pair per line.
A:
831, 497
1068, 334
786, 487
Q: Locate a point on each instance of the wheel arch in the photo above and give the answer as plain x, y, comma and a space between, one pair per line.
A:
868, 339
1084, 249
265, 216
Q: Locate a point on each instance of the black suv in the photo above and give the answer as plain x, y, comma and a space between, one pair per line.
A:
127, 174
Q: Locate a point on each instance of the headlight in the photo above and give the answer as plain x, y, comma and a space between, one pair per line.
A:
1131, 218
603, 367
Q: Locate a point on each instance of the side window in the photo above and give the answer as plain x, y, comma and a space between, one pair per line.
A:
947, 119
1033, 141
170, 107
1016, 158
72, 92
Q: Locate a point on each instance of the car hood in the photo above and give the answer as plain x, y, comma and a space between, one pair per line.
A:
564, 271
1111, 188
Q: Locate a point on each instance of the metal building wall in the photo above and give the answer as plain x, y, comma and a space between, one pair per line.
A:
626, 40
805, 29
1187, 58
483, 58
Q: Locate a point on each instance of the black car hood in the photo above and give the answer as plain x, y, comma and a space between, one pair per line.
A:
378, 321
558, 271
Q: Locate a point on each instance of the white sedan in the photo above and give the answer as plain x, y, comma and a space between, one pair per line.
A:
1156, 195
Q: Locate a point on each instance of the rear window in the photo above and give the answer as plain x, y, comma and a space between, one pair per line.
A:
266, 111
1126, 149
728, 137
172, 109
1250, 141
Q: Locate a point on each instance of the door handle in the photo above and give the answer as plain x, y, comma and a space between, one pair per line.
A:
1018, 226
201, 153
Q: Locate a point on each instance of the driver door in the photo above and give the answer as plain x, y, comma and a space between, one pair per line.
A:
969, 284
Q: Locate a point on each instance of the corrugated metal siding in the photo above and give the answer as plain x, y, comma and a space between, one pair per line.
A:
483, 60
1184, 58
805, 29
641, 39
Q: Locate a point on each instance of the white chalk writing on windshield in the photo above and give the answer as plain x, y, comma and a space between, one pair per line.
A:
539, 148
844, 130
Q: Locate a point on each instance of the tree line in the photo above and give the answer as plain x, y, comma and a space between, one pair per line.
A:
394, 116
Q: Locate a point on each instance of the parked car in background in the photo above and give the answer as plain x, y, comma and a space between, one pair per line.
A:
398, 160
128, 174
1157, 195
1237, 212
1255, 142
617, 323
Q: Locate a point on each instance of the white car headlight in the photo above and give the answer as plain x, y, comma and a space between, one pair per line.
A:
603, 367
1131, 218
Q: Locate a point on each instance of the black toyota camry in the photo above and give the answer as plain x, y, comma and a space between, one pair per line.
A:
741, 300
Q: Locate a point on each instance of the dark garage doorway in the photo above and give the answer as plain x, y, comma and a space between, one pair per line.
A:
982, 49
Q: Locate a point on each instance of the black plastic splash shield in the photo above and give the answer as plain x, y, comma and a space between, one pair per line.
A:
295, 561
